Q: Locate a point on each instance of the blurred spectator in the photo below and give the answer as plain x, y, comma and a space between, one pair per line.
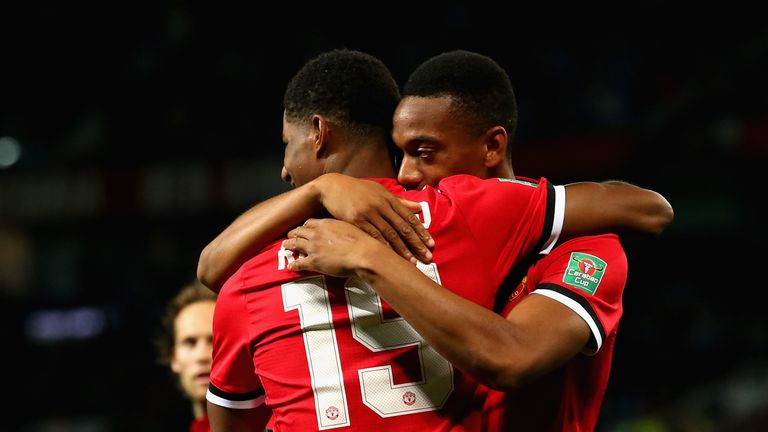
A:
185, 345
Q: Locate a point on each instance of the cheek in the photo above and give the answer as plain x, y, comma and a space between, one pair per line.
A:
292, 161
298, 170
464, 162
288, 158
176, 365
434, 173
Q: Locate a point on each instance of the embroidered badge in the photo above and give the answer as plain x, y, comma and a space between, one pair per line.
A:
409, 398
584, 272
522, 286
332, 412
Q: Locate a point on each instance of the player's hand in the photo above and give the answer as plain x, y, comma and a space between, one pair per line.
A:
331, 247
370, 207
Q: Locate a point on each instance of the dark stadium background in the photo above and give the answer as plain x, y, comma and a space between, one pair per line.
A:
129, 136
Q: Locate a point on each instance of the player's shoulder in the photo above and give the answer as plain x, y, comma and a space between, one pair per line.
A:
603, 247
267, 268
466, 181
263, 258
592, 241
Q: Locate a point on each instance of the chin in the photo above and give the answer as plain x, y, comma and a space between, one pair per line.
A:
200, 394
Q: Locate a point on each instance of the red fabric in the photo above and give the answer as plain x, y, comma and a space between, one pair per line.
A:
200, 425
569, 398
293, 330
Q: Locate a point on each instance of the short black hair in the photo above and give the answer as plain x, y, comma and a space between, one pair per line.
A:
481, 90
348, 86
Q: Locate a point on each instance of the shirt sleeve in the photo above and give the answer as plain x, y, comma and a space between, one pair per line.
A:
511, 218
588, 275
233, 382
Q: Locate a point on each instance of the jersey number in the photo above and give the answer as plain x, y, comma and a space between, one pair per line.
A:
369, 327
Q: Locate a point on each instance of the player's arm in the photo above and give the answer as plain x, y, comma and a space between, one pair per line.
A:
237, 420
614, 206
500, 353
366, 204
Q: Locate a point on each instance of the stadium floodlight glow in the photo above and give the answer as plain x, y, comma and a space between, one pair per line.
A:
10, 151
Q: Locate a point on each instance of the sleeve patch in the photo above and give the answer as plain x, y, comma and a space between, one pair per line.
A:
584, 272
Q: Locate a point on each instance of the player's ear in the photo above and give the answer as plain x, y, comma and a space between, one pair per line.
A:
496, 141
320, 129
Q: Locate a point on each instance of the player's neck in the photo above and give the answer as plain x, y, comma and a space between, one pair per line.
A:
198, 409
504, 170
364, 164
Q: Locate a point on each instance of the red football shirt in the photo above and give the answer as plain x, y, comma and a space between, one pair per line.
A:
328, 354
200, 425
586, 274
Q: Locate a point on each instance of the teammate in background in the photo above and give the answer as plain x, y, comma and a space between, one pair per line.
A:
185, 346
551, 357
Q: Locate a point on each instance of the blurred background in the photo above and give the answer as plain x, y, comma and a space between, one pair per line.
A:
129, 137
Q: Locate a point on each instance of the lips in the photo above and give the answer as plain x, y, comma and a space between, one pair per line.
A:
203, 378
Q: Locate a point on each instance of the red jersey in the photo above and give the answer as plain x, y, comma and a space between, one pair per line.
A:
200, 425
326, 351
586, 274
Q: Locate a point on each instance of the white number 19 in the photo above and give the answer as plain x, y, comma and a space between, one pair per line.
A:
369, 327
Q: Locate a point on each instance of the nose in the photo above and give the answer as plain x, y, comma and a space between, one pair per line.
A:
410, 176
204, 351
285, 176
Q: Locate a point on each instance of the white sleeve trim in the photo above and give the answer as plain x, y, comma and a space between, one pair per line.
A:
576, 307
246, 404
557, 221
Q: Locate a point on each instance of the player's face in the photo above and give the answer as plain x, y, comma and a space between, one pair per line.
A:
300, 165
434, 143
193, 347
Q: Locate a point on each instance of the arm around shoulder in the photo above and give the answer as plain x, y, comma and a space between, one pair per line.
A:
253, 230
614, 206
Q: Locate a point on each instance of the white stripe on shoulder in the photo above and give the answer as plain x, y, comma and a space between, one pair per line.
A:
246, 404
557, 221
576, 307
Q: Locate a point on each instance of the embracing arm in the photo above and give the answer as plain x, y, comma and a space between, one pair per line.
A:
366, 204
614, 206
252, 231
539, 334
536, 337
